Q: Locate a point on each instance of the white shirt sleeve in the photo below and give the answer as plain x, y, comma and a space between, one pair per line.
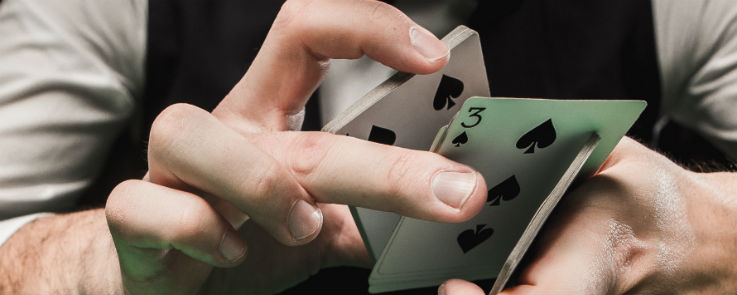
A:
697, 52
70, 74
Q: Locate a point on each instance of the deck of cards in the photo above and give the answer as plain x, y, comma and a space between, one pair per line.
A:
528, 150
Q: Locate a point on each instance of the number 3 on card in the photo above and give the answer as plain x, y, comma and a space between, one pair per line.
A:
475, 113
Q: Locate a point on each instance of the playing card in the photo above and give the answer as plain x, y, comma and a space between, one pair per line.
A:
470, 238
524, 148
538, 219
407, 110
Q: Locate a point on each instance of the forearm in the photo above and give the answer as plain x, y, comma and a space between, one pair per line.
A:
729, 187
71, 253
714, 200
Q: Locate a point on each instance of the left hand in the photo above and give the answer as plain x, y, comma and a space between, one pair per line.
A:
210, 173
642, 224
271, 96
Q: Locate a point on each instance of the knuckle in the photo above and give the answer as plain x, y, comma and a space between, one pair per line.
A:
308, 151
115, 208
400, 171
265, 181
380, 9
193, 221
383, 14
290, 13
168, 124
123, 189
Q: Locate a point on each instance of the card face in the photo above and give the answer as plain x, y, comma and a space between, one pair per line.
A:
523, 148
542, 213
407, 110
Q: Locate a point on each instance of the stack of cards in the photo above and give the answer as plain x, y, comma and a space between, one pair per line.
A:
528, 150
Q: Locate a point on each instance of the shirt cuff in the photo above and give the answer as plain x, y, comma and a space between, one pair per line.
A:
9, 226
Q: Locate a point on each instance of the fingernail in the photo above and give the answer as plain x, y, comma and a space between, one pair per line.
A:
304, 220
232, 248
427, 44
454, 188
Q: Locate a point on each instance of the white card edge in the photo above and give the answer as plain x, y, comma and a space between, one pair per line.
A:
542, 214
452, 39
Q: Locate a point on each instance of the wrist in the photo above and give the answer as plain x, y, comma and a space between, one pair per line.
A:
728, 184
60, 254
101, 273
714, 214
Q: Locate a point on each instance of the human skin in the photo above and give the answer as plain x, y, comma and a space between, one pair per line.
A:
235, 188
239, 169
642, 224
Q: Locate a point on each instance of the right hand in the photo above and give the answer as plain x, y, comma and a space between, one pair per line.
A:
210, 173
642, 224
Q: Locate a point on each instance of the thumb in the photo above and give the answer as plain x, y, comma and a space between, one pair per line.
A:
573, 260
304, 37
459, 287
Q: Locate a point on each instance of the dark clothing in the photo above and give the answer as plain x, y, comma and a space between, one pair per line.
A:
197, 51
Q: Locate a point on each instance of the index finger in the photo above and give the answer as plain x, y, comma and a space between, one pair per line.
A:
347, 170
305, 35
276, 178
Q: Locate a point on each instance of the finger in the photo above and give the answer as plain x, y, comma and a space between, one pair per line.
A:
305, 35
189, 146
342, 169
577, 253
141, 224
459, 287
568, 273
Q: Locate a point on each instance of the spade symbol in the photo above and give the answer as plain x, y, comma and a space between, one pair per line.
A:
448, 89
506, 190
469, 239
460, 139
382, 135
543, 135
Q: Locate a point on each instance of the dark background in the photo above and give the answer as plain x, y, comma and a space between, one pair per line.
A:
574, 49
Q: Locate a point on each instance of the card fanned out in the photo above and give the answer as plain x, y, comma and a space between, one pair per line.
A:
529, 151
407, 110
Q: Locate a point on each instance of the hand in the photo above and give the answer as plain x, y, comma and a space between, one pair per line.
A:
210, 173
642, 224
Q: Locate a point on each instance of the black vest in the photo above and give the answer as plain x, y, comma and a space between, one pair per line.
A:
199, 49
